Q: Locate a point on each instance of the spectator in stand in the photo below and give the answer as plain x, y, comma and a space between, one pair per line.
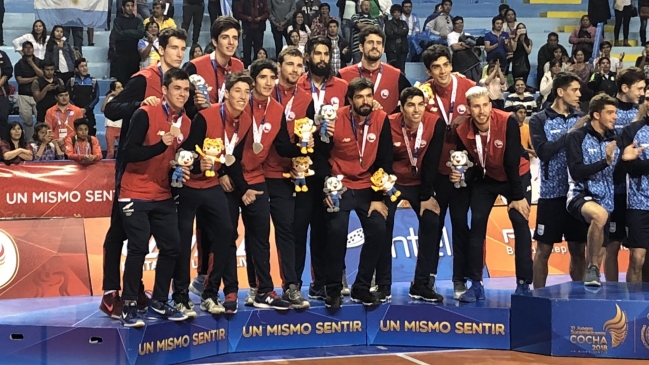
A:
605, 51
300, 26
520, 111
643, 10
599, 11
410, 18
442, 25
43, 147
510, 24
461, 44
215, 11
557, 56
294, 40
113, 127
253, 15
84, 93
546, 54
159, 17
502, 10
623, 12
60, 117
433, 16
348, 9
581, 68
59, 51
583, 37
319, 25
396, 43
142, 9
261, 54
361, 21
2, 19
555, 66
123, 54
281, 15
6, 72
193, 12
603, 81
341, 53
522, 47
44, 90
82, 147
74, 35
38, 37
14, 146
148, 46
496, 83
27, 70
643, 61
310, 9
380, 10
496, 41
520, 96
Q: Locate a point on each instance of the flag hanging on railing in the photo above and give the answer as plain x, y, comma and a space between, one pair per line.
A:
72, 13
226, 9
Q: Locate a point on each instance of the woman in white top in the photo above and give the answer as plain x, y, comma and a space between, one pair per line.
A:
113, 128
148, 46
301, 27
558, 56
556, 66
294, 41
510, 23
38, 37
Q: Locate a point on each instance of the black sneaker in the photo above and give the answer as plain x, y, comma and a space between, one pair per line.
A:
592, 276
364, 296
459, 288
334, 301
271, 300
384, 293
294, 296
317, 293
163, 310
130, 317
424, 292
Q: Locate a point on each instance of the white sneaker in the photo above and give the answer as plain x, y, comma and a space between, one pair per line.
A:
187, 308
212, 306
250, 299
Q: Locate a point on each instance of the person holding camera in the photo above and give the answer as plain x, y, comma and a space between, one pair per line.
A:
522, 47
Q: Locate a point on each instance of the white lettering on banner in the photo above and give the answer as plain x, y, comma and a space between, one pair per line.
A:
56, 197
444, 244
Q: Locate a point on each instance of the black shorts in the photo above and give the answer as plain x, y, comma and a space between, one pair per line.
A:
617, 219
638, 229
574, 208
554, 223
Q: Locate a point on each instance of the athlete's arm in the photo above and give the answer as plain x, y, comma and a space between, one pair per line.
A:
430, 161
544, 148
575, 156
512, 158
134, 150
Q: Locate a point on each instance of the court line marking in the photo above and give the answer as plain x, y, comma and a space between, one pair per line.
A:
406, 357
340, 357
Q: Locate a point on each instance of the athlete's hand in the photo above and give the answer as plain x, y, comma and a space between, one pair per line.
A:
376, 105
186, 173
430, 204
455, 176
167, 138
199, 100
311, 143
206, 164
331, 128
328, 202
632, 151
250, 196
610, 152
380, 207
226, 183
521, 206
151, 101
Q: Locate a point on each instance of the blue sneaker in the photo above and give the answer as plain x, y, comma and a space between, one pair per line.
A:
198, 285
474, 293
163, 310
130, 317
317, 293
523, 288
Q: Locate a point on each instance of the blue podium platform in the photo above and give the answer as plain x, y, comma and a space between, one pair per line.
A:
571, 320
72, 330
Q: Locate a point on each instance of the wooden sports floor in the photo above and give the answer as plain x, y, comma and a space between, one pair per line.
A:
450, 357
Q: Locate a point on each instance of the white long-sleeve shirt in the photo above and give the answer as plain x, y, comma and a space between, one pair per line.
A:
39, 49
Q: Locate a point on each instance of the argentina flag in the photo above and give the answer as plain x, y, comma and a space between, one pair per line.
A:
226, 9
72, 13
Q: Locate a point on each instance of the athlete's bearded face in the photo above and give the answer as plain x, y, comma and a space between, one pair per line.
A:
320, 61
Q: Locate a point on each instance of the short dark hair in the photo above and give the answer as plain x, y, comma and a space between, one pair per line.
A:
555, 62
261, 64
447, 1
495, 19
517, 107
61, 89
314, 42
79, 61
48, 63
605, 43
628, 77
222, 24
562, 80
502, 7
233, 78
81, 121
553, 34
324, 5
127, 1
291, 51
404, 2
457, 18
433, 53
409, 93
599, 61
334, 21
167, 33
27, 43
396, 7
372, 29
156, 3
599, 102
356, 85
174, 73
37, 128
